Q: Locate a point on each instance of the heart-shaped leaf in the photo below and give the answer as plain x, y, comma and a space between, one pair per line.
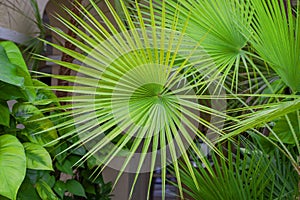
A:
37, 157
14, 57
75, 188
44, 95
35, 125
10, 92
65, 167
8, 70
60, 188
12, 165
22, 112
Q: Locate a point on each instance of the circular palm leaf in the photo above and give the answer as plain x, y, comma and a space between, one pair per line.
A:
140, 92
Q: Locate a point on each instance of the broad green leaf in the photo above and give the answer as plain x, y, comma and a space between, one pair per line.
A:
92, 162
45, 138
12, 166
45, 191
37, 128
65, 167
74, 187
55, 151
284, 131
89, 187
5, 114
15, 57
58, 120
23, 112
37, 157
79, 151
8, 70
10, 92
60, 188
74, 160
27, 191
12, 129
35, 175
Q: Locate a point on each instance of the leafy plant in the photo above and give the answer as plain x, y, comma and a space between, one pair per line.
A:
30, 157
13, 161
149, 75
246, 173
17, 155
240, 38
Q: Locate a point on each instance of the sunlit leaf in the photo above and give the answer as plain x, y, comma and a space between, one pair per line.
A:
12, 162
37, 157
14, 61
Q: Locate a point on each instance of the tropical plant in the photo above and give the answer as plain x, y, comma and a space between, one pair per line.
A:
135, 82
279, 50
248, 172
19, 154
145, 73
32, 159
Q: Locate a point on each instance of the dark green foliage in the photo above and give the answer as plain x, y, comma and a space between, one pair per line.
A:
246, 173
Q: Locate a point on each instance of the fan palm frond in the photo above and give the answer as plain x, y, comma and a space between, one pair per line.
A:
145, 81
225, 30
135, 102
247, 173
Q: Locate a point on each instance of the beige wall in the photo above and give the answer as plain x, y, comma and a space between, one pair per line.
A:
17, 19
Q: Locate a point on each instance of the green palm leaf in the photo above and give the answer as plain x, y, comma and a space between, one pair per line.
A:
153, 79
247, 173
277, 39
135, 102
224, 29
279, 118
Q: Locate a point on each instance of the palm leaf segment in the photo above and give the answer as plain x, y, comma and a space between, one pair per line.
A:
226, 27
277, 39
136, 94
